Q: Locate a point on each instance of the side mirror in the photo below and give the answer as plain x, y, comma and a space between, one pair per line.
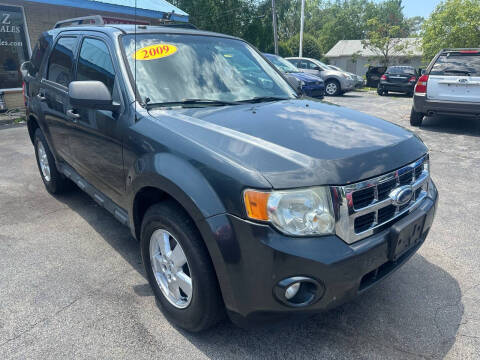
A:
317, 68
91, 95
295, 83
26, 68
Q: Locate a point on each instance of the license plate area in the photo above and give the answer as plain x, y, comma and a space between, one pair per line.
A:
406, 234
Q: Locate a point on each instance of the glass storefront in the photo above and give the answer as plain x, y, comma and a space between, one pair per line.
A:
14, 48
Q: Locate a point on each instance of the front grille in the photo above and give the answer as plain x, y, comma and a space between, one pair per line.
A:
406, 178
364, 222
363, 197
364, 207
385, 187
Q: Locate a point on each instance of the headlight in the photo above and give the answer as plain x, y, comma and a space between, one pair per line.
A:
303, 212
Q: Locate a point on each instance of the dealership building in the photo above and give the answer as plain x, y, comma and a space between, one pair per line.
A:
22, 22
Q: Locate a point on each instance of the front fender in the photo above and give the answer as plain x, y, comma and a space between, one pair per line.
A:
179, 179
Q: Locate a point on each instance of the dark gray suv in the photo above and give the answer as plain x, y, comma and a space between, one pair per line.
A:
247, 199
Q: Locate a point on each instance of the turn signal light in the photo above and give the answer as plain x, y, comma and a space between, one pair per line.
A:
256, 204
421, 87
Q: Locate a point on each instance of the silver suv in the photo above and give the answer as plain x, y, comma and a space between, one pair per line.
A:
449, 86
336, 82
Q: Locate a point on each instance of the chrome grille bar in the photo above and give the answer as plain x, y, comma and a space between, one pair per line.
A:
346, 212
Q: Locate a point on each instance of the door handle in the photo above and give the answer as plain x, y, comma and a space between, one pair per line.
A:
41, 97
73, 115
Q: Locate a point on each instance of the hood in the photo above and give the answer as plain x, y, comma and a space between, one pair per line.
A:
333, 73
297, 142
307, 78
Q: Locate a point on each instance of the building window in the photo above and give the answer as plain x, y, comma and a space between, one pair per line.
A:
13, 46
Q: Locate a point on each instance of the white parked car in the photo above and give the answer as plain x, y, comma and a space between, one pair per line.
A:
336, 82
449, 86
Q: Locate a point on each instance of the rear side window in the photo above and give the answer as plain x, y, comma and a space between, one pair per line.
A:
39, 52
95, 63
60, 64
457, 64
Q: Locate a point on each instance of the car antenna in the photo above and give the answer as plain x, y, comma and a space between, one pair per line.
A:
135, 59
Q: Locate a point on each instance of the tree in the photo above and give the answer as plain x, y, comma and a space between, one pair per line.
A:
385, 31
311, 46
453, 24
384, 40
414, 25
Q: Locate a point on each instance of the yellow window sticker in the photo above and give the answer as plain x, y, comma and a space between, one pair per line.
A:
156, 51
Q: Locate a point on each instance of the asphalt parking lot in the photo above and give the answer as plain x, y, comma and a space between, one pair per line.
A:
72, 283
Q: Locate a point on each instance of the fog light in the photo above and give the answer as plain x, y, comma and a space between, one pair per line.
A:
292, 290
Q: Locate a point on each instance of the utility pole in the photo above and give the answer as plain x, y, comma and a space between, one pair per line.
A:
302, 16
275, 36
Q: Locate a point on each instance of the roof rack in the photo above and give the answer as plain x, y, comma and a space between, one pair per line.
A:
98, 20
84, 20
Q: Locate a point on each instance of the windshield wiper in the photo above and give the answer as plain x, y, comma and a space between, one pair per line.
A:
260, 99
206, 102
466, 72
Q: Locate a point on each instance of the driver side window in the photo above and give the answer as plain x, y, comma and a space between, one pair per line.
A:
95, 63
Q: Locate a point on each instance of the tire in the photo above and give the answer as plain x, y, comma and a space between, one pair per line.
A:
332, 87
416, 118
380, 92
55, 182
204, 307
410, 94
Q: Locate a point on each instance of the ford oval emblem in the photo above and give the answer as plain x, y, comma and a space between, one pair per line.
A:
401, 195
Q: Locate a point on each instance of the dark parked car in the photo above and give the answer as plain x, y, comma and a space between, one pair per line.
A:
400, 79
246, 199
449, 86
311, 85
374, 74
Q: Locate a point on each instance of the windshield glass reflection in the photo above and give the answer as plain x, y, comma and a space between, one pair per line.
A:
200, 67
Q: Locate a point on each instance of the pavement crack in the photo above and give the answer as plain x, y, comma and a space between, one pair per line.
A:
51, 316
34, 325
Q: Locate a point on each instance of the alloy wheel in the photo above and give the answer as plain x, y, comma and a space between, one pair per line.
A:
331, 88
43, 161
170, 268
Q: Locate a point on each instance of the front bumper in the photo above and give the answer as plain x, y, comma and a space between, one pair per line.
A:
316, 91
251, 259
396, 87
425, 106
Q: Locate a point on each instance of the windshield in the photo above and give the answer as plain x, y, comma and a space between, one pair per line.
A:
321, 64
401, 71
455, 64
174, 68
282, 64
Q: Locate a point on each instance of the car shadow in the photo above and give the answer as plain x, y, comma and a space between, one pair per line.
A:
397, 95
452, 125
416, 312
115, 234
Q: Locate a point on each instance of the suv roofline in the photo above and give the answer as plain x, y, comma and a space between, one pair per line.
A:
459, 49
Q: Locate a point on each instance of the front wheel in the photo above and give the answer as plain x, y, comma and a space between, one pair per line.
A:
332, 87
416, 118
179, 268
